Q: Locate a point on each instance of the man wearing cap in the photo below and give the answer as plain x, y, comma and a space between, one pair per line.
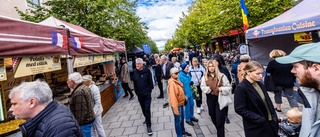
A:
97, 129
306, 67
124, 78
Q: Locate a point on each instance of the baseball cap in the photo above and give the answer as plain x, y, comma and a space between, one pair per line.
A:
307, 52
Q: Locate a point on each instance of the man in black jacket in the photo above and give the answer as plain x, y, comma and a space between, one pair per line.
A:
143, 86
33, 102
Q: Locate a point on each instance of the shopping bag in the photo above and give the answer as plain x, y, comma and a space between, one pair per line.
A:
224, 100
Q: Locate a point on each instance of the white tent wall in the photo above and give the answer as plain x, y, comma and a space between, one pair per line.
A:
259, 49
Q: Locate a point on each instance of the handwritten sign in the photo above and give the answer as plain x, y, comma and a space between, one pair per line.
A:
99, 59
35, 65
81, 61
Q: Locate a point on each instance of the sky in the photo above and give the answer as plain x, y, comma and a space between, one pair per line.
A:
161, 17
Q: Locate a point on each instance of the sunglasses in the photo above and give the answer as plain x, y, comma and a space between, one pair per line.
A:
176, 73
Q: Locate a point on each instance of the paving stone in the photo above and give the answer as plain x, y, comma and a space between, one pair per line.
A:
157, 114
135, 117
138, 122
232, 127
232, 134
157, 126
135, 135
127, 123
124, 118
114, 119
205, 130
122, 113
114, 125
132, 112
116, 132
142, 129
169, 125
130, 130
165, 133
164, 119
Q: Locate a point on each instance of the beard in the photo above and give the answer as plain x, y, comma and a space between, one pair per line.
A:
308, 81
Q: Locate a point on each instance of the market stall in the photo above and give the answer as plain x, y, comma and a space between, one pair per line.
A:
282, 31
30, 50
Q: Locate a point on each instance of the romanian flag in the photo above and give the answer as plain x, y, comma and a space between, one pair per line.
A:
245, 12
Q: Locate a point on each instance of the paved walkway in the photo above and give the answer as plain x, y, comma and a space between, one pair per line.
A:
125, 119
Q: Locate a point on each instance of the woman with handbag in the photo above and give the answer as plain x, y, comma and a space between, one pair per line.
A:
215, 84
252, 102
283, 80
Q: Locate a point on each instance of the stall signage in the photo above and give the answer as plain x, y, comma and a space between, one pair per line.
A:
110, 57
99, 59
35, 65
81, 61
3, 75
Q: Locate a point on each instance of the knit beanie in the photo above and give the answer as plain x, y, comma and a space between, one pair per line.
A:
183, 65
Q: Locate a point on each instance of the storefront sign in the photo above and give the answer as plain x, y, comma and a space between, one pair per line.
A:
35, 65
99, 59
110, 57
81, 61
3, 75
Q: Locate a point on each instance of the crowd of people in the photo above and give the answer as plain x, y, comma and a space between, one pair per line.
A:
181, 81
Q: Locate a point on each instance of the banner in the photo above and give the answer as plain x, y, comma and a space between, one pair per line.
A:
85, 60
3, 75
99, 59
110, 57
35, 65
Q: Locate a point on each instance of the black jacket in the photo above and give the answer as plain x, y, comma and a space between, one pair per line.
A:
143, 83
56, 120
169, 65
158, 71
249, 105
281, 74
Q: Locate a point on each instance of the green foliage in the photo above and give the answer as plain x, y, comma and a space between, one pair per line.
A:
207, 19
115, 19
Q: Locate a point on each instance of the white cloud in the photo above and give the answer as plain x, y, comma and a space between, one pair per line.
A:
161, 17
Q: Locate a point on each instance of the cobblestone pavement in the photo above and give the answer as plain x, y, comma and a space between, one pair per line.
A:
125, 119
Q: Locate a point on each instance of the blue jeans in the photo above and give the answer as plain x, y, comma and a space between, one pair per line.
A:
179, 122
165, 90
154, 76
189, 109
86, 129
289, 92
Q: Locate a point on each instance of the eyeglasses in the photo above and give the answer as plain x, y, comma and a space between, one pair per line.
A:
176, 73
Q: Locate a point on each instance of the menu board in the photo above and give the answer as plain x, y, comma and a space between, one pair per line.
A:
35, 65
84, 60
3, 75
99, 59
110, 57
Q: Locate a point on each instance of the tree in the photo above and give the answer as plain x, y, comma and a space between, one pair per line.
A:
207, 19
115, 19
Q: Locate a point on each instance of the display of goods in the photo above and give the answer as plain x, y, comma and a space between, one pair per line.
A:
10, 126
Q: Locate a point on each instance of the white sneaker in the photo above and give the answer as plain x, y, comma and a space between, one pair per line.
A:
201, 107
199, 110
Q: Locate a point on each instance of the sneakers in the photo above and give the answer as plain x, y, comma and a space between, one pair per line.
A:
199, 110
190, 123
194, 119
159, 97
132, 97
165, 105
227, 120
278, 110
149, 131
187, 134
201, 107
144, 122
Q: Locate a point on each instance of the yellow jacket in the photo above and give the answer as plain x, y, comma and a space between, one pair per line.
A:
176, 94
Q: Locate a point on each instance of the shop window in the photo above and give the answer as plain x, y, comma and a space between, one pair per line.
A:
36, 2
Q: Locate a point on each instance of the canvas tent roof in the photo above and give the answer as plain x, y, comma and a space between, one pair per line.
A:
22, 38
86, 42
136, 50
303, 17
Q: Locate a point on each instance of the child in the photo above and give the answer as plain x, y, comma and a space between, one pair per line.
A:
290, 126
